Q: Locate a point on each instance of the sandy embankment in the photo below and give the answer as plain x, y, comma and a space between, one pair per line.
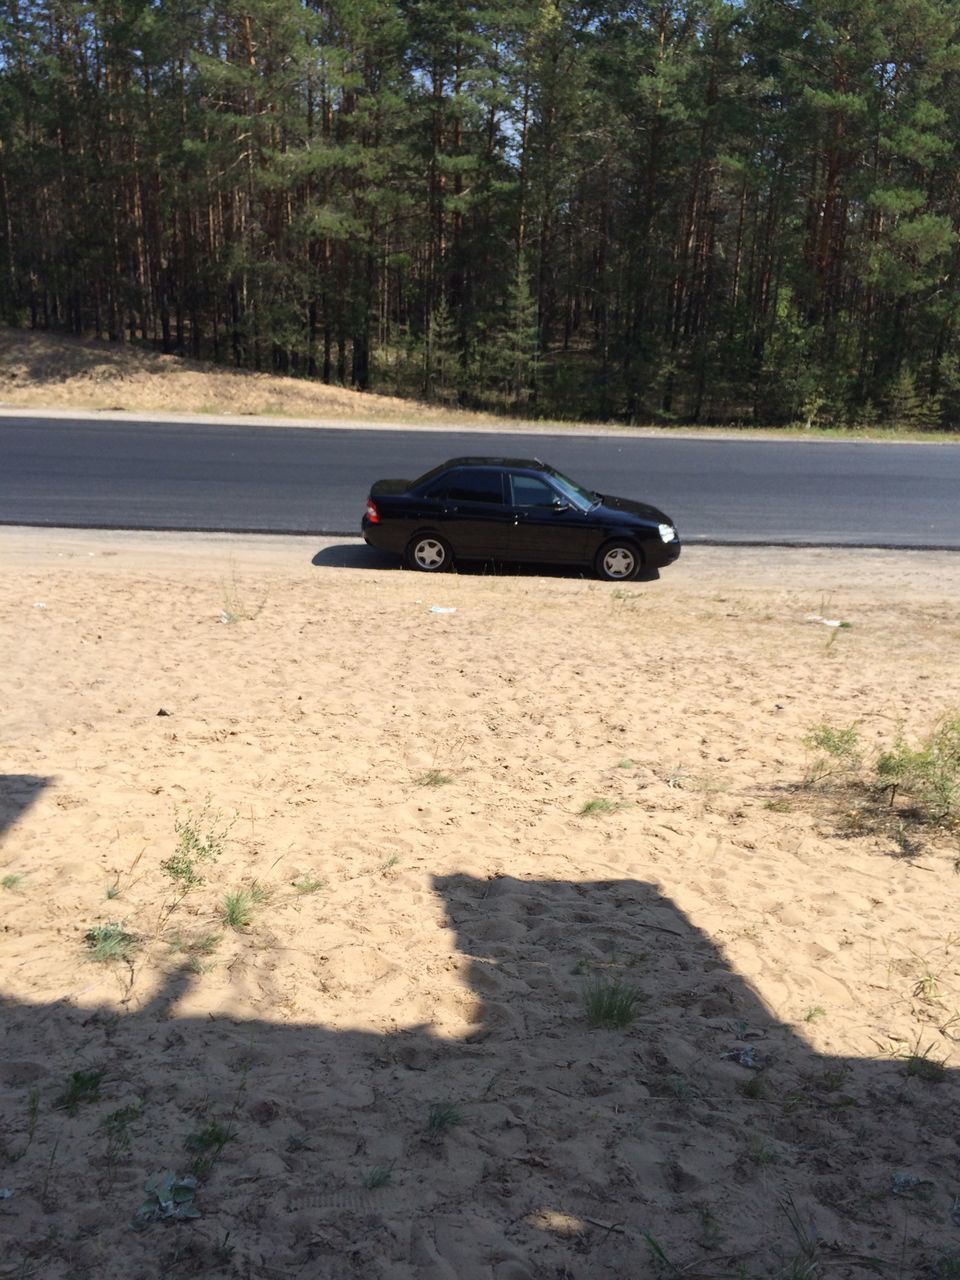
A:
443, 958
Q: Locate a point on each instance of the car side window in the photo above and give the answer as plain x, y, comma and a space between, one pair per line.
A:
476, 485
529, 491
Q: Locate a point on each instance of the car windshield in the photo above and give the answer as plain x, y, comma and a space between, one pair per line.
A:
576, 493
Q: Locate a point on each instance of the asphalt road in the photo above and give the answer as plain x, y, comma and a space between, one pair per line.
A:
198, 476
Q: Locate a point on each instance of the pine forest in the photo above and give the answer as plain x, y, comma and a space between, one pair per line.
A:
707, 211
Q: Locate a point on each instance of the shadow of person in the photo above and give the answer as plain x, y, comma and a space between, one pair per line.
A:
533, 1145
18, 791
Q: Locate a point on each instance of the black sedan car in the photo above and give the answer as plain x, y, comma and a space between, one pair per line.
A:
515, 509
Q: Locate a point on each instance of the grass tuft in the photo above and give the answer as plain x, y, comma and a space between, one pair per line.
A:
434, 778
110, 942
921, 1063
308, 884
207, 1144
83, 1086
12, 880
610, 1003
600, 804
379, 1177
237, 910
441, 1118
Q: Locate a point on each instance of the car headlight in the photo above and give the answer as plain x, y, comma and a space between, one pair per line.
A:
667, 532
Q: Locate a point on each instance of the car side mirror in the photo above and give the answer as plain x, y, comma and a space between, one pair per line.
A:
558, 504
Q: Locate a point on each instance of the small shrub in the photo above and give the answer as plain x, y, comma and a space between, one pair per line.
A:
610, 1004
12, 880
838, 751
200, 840
110, 942
929, 773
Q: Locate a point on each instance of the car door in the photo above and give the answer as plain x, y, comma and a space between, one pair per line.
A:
545, 527
474, 515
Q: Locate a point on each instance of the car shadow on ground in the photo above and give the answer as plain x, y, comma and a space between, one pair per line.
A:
354, 556
534, 1146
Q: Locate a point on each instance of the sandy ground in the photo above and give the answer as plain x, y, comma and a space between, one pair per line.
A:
388, 1072
45, 370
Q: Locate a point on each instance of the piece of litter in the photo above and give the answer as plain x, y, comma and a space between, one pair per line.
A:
827, 622
6, 1193
746, 1056
168, 1196
442, 608
901, 1184
39, 605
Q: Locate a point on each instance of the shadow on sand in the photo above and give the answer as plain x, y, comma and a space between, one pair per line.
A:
359, 556
18, 791
536, 1146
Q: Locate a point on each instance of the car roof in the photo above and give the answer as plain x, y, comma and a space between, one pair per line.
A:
526, 464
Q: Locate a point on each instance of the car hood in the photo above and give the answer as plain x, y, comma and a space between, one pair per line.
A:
641, 510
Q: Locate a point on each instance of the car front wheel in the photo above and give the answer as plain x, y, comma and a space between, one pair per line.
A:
618, 562
428, 553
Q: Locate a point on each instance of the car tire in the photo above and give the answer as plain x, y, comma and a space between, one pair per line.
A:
618, 561
428, 553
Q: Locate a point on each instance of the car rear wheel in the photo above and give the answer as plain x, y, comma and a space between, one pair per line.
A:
618, 562
428, 553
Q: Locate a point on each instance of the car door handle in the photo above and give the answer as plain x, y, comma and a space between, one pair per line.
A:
449, 511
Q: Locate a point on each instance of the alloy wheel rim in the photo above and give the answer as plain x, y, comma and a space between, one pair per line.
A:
619, 563
429, 554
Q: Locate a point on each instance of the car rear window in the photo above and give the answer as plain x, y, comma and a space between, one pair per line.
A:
475, 485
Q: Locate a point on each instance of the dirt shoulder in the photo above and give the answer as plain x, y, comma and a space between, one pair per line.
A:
444, 837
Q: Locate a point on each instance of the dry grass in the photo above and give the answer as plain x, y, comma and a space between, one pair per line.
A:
53, 371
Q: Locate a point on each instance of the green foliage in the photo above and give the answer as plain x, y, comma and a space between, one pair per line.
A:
924, 1065
237, 909
837, 751
207, 1145
82, 1087
434, 778
720, 212
308, 884
929, 773
110, 942
610, 1003
201, 836
600, 804
441, 1118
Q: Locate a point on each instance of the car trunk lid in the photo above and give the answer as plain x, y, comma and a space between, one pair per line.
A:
387, 488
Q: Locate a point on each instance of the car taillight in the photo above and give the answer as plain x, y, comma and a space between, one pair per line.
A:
373, 515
